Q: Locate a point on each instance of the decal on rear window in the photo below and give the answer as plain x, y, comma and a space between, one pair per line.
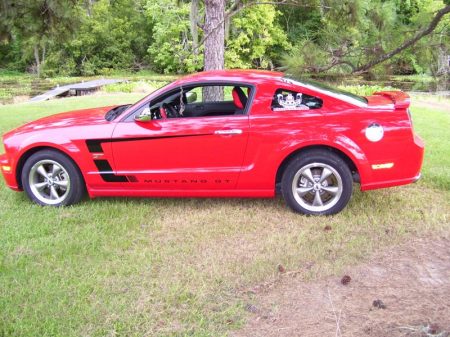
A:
284, 100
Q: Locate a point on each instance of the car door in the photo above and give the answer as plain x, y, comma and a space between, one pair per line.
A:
201, 153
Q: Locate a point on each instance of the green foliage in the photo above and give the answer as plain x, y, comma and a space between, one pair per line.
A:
303, 57
351, 33
171, 50
256, 39
112, 36
81, 40
99, 37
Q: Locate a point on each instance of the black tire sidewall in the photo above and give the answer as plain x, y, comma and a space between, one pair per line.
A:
77, 186
317, 156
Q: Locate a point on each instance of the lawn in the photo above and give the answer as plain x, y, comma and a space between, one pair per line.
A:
187, 267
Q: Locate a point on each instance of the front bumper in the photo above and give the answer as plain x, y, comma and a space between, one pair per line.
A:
8, 172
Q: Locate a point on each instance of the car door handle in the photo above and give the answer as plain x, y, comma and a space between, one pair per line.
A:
228, 132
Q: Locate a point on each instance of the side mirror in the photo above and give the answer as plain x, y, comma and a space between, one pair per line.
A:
141, 118
191, 97
144, 116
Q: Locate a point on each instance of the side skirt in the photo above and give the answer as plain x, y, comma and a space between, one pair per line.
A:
182, 193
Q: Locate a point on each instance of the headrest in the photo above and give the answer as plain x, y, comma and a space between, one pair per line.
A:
239, 98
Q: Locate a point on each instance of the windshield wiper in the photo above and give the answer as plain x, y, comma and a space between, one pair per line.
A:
115, 112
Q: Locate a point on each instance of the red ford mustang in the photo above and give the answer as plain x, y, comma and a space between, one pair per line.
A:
221, 134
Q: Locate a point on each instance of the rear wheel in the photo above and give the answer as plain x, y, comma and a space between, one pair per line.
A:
317, 182
50, 178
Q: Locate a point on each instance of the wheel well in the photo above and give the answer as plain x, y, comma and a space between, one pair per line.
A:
32, 151
351, 165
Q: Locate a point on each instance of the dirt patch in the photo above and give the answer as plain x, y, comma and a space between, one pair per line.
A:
404, 291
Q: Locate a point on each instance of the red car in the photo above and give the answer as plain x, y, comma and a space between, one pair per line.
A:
221, 134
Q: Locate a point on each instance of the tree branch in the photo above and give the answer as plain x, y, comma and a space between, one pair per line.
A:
437, 18
332, 65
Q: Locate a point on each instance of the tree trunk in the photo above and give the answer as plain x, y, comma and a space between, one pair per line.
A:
89, 8
408, 43
193, 18
44, 53
38, 62
214, 30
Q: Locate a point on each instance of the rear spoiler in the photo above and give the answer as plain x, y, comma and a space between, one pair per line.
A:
400, 99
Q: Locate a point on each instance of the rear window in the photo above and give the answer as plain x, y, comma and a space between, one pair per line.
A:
291, 100
327, 90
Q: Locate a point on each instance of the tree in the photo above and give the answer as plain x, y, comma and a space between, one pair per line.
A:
406, 44
214, 52
40, 23
214, 30
357, 36
256, 39
113, 35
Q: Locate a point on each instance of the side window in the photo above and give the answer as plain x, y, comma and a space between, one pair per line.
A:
209, 101
284, 100
198, 101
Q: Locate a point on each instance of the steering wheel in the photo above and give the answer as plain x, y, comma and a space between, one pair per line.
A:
171, 112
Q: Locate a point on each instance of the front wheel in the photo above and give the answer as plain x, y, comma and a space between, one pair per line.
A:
317, 182
51, 179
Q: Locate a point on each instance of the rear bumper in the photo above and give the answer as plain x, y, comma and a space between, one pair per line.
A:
406, 169
8, 173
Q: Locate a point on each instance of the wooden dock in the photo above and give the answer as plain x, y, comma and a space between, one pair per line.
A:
79, 89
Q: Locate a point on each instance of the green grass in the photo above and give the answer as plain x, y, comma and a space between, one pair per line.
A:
436, 170
183, 267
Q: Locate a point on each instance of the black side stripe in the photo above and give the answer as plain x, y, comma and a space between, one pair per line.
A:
106, 172
103, 166
95, 145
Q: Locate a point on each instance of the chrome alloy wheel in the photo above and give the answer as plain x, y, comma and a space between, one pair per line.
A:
317, 187
49, 182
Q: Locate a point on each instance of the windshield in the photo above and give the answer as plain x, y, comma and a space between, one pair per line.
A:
328, 90
154, 93
115, 112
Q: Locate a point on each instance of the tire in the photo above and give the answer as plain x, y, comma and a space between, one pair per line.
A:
317, 182
50, 178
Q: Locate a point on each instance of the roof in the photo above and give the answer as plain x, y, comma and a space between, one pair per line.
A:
237, 75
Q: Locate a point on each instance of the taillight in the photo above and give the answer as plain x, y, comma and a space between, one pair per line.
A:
410, 117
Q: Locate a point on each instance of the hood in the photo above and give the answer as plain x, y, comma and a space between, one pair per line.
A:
66, 119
